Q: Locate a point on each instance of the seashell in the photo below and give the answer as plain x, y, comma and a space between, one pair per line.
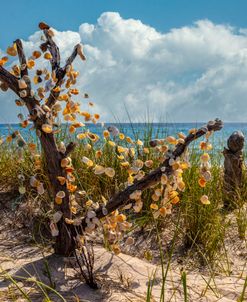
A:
54, 229
16, 69
47, 56
62, 147
36, 54
40, 189
22, 190
60, 194
136, 195
33, 182
23, 93
57, 107
19, 102
57, 216
4, 87
46, 108
130, 241
4, 60
91, 214
87, 161
99, 170
22, 84
58, 200
62, 180
21, 177
50, 32
149, 163
46, 128
80, 52
30, 64
65, 162
113, 130
110, 172
12, 51
74, 91
204, 200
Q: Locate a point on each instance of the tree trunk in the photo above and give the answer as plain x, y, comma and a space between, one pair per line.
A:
233, 164
64, 242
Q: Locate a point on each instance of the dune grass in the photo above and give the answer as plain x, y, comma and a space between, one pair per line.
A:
201, 228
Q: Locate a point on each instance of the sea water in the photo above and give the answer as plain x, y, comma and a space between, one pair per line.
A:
142, 130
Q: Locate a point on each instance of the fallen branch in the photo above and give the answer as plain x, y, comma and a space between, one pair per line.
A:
123, 197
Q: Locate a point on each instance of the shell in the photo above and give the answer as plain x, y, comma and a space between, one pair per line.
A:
110, 172
80, 52
60, 194
40, 189
23, 93
12, 51
58, 200
99, 170
47, 56
46, 128
54, 229
22, 84
36, 54
65, 162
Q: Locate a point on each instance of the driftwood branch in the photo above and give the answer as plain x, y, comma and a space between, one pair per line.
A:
122, 198
22, 58
9, 79
54, 51
60, 74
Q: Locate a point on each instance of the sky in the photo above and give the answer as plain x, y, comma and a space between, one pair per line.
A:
162, 60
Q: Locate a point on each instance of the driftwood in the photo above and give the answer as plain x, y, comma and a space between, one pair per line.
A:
233, 165
64, 242
123, 197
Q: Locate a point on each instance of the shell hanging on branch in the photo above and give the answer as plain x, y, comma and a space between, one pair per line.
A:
22, 84
46, 128
80, 52
12, 51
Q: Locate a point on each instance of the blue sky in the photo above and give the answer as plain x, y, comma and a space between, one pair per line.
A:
182, 59
20, 17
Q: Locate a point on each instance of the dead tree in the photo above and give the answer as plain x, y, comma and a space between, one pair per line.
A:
64, 242
41, 114
233, 165
123, 197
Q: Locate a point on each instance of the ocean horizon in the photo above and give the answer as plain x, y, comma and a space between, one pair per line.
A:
141, 130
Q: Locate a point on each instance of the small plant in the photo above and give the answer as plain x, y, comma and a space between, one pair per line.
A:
84, 255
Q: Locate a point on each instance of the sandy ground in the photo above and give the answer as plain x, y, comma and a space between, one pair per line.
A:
121, 278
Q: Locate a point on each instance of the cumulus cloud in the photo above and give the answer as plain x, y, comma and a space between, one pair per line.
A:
193, 73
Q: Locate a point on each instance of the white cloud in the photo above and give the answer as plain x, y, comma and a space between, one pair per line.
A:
192, 73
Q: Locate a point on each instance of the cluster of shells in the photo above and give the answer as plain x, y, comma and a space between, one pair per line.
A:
134, 157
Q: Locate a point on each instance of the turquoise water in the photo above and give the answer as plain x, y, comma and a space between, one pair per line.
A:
142, 130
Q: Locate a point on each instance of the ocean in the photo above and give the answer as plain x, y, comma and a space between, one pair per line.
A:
143, 130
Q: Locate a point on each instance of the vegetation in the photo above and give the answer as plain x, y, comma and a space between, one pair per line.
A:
75, 183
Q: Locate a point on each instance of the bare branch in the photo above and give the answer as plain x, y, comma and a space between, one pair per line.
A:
154, 177
22, 58
61, 72
9, 79
54, 51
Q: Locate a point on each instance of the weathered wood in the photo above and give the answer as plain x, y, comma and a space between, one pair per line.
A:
123, 197
233, 165
64, 242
